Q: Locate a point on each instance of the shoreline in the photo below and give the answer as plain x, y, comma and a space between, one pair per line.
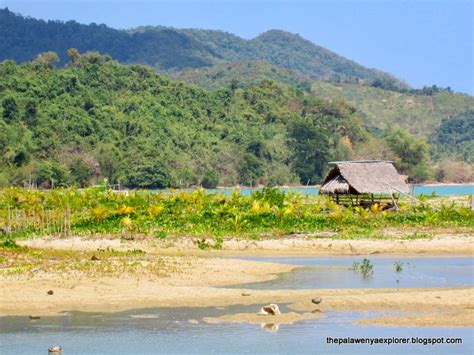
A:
169, 277
420, 306
318, 186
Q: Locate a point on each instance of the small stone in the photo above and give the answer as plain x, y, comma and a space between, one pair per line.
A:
317, 300
50, 292
245, 294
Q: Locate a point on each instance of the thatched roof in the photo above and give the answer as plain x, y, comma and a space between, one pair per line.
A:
364, 177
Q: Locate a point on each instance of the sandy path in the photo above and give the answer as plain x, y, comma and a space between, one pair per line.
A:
447, 244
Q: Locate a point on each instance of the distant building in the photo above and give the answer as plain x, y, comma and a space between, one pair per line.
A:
363, 183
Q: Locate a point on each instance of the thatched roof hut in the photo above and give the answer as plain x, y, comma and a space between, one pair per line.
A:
367, 178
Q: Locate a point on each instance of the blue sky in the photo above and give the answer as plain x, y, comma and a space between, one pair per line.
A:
424, 42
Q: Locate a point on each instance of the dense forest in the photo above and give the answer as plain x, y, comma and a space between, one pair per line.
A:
442, 118
96, 118
170, 49
272, 110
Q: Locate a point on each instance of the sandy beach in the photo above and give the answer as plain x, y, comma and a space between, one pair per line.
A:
172, 277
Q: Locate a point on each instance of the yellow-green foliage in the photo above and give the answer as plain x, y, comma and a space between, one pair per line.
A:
99, 211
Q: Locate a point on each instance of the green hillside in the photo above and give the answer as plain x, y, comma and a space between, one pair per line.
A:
96, 118
421, 112
170, 49
241, 74
279, 107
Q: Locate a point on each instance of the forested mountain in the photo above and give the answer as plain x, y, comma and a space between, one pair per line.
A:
259, 117
438, 115
97, 118
170, 49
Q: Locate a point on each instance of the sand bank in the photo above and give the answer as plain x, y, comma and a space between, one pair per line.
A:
440, 307
122, 281
304, 245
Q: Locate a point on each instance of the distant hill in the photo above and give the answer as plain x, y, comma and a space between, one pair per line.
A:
279, 107
173, 49
242, 74
97, 118
421, 112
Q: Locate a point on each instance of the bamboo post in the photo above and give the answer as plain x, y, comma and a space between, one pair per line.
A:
394, 202
413, 198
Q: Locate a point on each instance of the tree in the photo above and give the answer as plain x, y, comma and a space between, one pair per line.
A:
47, 59
81, 173
52, 174
310, 146
149, 131
149, 175
10, 109
110, 161
250, 169
412, 154
455, 136
74, 56
210, 179
31, 112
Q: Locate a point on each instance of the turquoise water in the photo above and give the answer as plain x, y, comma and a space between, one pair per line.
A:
168, 331
336, 272
452, 190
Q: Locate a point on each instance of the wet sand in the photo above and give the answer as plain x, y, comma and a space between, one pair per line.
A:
29, 297
190, 280
252, 318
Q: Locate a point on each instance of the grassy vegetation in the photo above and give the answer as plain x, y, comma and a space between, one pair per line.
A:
72, 263
398, 265
65, 212
365, 268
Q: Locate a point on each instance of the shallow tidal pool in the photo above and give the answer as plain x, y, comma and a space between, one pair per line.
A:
337, 272
181, 331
